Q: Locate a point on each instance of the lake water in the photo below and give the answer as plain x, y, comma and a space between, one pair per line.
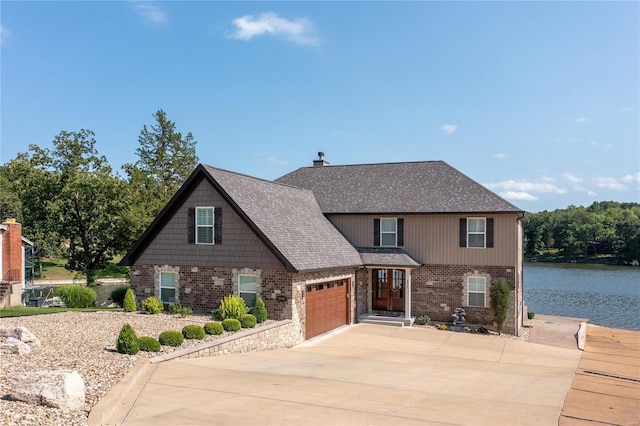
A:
605, 295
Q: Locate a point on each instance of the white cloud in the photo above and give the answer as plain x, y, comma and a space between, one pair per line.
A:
592, 193
631, 178
516, 195
573, 178
608, 183
524, 190
151, 13
4, 34
500, 156
449, 128
582, 120
298, 30
630, 109
270, 158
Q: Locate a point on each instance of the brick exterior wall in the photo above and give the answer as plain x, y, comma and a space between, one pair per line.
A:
202, 288
436, 290
12, 267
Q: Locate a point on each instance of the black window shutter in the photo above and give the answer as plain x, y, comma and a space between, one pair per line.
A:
217, 225
489, 232
376, 232
463, 232
191, 225
400, 232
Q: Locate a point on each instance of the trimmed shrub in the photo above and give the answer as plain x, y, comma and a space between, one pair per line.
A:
423, 320
129, 303
232, 307
118, 294
77, 296
259, 311
215, 314
214, 328
248, 321
127, 341
231, 324
193, 331
178, 309
152, 305
531, 314
148, 344
171, 338
500, 294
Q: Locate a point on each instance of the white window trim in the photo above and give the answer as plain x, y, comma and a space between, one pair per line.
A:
477, 292
212, 226
175, 286
395, 233
250, 292
483, 233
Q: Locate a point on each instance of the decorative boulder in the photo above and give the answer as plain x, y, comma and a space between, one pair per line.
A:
14, 346
24, 335
52, 388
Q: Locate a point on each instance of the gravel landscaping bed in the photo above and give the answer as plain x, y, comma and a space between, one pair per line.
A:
85, 342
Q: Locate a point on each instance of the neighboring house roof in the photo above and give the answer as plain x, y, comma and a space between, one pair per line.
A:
387, 256
287, 219
27, 241
398, 188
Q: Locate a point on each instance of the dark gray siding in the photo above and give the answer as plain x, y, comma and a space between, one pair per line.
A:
240, 247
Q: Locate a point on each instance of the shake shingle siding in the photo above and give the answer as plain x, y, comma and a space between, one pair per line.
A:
420, 187
239, 247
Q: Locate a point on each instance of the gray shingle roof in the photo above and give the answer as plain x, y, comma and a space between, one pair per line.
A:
385, 256
413, 187
291, 219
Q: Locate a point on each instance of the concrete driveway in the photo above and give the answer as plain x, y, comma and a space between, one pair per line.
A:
361, 375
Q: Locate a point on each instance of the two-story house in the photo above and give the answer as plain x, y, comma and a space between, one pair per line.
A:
324, 245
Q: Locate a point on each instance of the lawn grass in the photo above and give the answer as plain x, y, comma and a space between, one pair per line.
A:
20, 311
53, 269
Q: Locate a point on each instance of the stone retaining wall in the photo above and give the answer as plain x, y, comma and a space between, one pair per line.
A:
281, 334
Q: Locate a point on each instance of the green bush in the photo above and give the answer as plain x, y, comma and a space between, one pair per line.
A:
117, 295
193, 331
152, 305
171, 338
232, 307
178, 309
213, 328
423, 320
259, 311
248, 321
129, 303
77, 296
531, 314
231, 324
127, 341
148, 344
500, 295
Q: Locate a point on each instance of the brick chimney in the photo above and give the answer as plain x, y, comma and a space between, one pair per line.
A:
12, 268
320, 161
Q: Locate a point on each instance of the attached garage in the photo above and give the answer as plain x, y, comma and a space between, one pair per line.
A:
326, 307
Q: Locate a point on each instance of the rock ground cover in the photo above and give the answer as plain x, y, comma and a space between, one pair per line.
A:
85, 342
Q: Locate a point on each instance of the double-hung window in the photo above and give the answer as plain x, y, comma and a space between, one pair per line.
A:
168, 287
248, 288
476, 232
389, 232
204, 225
476, 291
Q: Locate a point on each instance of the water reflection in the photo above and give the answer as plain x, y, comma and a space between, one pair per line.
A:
605, 295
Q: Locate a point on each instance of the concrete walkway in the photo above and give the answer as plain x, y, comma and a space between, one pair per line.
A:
360, 375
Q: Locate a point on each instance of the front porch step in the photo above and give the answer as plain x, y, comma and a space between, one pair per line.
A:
385, 320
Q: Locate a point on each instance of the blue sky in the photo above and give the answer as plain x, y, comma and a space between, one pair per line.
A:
539, 101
